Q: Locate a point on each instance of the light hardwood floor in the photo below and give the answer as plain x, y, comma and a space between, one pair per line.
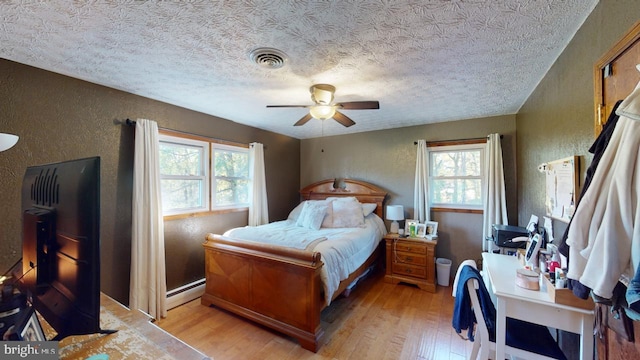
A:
377, 321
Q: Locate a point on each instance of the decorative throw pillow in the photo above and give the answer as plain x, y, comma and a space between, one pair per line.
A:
328, 218
342, 198
347, 214
312, 215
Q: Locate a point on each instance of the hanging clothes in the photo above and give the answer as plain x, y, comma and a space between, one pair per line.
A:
597, 149
604, 237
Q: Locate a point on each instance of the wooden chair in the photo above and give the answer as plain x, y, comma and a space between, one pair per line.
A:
524, 340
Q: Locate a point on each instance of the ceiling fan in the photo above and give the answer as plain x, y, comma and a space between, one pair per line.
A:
324, 108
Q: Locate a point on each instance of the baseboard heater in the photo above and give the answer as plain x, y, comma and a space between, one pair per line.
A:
185, 293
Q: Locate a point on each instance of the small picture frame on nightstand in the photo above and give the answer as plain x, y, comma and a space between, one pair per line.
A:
432, 228
421, 230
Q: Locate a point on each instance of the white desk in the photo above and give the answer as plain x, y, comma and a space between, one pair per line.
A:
532, 306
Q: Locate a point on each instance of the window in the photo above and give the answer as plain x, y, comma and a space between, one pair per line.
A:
456, 176
201, 175
183, 175
230, 185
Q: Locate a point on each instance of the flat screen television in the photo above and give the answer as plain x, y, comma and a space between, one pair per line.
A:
61, 244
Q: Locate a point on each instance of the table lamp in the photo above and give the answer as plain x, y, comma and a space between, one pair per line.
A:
395, 213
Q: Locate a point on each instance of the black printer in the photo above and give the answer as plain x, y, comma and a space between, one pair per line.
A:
503, 234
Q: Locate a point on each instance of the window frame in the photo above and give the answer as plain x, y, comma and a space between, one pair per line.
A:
204, 176
239, 149
180, 137
457, 146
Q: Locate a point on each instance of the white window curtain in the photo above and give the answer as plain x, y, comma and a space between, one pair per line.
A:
495, 203
421, 190
148, 290
258, 209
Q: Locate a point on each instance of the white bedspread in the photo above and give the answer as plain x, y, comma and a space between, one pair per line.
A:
342, 250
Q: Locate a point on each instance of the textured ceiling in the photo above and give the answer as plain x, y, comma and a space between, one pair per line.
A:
425, 61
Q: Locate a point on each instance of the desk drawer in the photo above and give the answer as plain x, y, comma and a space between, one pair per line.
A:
410, 247
410, 270
411, 258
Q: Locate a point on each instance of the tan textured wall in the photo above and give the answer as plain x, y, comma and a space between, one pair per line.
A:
387, 158
557, 119
61, 118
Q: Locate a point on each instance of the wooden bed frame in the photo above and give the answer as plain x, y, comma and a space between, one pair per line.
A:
276, 286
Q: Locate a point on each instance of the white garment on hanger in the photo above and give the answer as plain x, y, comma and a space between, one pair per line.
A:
604, 236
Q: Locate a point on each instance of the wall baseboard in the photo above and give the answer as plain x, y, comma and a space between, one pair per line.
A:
184, 294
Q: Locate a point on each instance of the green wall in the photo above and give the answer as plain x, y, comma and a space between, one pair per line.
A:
61, 118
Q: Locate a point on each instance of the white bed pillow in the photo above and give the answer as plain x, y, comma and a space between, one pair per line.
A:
328, 221
347, 214
368, 208
312, 215
342, 198
328, 218
295, 213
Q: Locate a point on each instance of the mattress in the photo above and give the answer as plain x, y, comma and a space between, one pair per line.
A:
342, 250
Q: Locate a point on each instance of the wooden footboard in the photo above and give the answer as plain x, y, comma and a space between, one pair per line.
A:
271, 285
276, 286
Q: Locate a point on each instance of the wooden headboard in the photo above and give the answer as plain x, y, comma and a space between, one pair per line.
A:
361, 190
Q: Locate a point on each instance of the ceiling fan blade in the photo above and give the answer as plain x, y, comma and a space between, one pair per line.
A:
288, 106
359, 105
303, 120
343, 119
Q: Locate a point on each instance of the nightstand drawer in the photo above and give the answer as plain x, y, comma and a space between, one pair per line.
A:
410, 270
407, 246
411, 258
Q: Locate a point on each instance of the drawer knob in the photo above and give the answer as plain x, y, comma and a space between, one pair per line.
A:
408, 258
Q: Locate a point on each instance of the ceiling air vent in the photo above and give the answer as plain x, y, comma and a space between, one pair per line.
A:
268, 57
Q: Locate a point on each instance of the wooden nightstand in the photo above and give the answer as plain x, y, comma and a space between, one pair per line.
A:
412, 261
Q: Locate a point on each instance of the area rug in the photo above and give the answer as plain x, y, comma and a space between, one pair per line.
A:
136, 338
127, 343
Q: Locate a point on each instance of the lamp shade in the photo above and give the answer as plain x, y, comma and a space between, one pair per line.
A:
7, 141
395, 212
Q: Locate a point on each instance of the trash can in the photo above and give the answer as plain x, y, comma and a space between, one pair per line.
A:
443, 270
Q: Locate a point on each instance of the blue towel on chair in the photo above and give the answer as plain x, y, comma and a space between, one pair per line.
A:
520, 334
463, 316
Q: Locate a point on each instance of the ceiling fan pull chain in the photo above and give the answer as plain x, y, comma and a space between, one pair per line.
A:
321, 135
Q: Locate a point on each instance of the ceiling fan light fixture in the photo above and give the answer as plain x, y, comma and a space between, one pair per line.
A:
324, 108
322, 112
322, 94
